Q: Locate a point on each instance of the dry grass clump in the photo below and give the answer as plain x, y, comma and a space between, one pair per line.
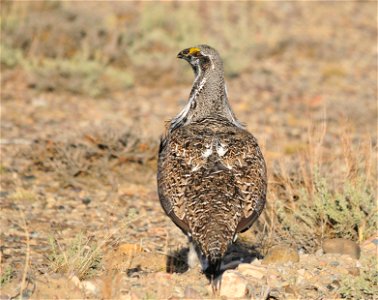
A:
85, 256
94, 156
323, 194
23, 195
81, 257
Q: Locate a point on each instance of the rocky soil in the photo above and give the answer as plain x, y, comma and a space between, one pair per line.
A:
99, 183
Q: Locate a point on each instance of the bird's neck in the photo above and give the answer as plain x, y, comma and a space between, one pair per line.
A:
208, 94
207, 99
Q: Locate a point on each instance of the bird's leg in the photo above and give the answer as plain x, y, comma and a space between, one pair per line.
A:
215, 285
213, 273
195, 257
193, 260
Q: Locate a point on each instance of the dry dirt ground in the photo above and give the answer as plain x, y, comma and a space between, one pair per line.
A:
76, 166
80, 215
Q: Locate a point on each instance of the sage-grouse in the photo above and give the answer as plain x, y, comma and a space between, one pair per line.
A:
211, 173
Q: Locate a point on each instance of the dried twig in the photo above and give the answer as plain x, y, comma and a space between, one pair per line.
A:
27, 256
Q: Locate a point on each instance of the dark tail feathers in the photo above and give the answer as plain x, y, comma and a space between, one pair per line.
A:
212, 272
214, 268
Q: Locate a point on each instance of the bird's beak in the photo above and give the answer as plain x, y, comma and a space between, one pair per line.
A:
180, 55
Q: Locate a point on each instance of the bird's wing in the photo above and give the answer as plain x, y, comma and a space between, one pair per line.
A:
179, 157
242, 155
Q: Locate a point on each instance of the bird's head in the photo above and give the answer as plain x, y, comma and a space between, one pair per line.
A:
201, 56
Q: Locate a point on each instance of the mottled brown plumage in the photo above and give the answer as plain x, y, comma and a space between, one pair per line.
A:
211, 172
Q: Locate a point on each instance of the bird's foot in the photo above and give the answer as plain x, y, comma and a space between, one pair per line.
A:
216, 285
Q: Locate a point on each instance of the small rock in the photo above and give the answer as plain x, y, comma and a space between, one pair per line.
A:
299, 281
253, 271
274, 281
280, 254
51, 202
301, 251
76, 281
191, 293
301, 271
28, 177
334, 263
319, 252
342, 246
322, 263
234, 285
179, 293
289, 289
86, 200
3, 194
89, 287
370, 246
341, 271
129, 296
334, 285
163, 277
39, 102
304, 277
354, 271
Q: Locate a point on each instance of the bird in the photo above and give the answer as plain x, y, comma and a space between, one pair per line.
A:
211, 176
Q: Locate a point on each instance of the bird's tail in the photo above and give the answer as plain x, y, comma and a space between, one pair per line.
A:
214, 268
214, 249
212, 272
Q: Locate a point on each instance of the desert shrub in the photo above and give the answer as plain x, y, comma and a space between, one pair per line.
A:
349, 212
320, 193
77, 75
9, 57
363, 286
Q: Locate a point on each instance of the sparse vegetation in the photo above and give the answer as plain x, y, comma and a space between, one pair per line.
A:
348, 213
363, 286
312, 200
23, 195
9, 57
80, 257
6, 276
93, 54
76, 75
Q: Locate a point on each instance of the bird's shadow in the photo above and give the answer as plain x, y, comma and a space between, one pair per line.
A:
177, 261
237, 253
